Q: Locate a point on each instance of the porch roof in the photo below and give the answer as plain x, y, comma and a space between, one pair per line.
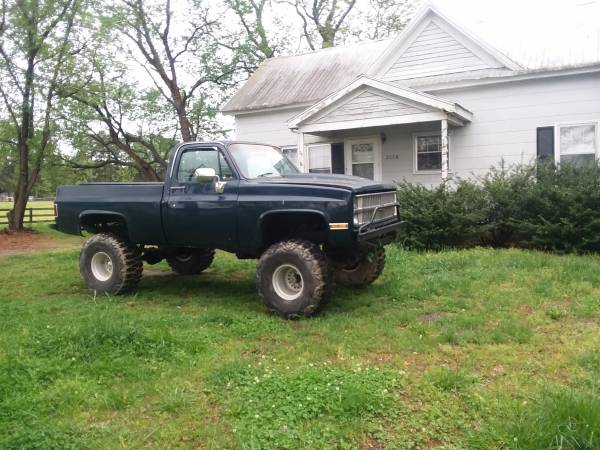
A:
368, 102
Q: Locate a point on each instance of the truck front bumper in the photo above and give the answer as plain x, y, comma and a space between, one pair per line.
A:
382, 232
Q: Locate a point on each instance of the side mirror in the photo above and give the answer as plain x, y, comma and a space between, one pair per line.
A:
205, 175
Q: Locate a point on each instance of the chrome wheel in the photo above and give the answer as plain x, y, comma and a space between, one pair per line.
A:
288, 282
102, 266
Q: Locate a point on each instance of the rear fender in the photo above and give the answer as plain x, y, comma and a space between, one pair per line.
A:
96, 221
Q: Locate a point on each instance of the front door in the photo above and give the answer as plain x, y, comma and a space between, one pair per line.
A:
196, 214
363, 158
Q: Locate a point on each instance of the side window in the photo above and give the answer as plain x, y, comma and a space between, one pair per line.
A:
203, 158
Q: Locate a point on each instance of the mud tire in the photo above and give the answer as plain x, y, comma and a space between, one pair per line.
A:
362, 272
110, 265
194, 261
306, 262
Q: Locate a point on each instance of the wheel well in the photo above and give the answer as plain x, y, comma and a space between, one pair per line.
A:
277, 227
104, 223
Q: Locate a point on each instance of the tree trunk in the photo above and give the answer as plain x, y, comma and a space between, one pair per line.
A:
186, 127
187, 134
15, 217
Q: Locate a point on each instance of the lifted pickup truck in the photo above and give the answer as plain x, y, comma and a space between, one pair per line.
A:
245, 198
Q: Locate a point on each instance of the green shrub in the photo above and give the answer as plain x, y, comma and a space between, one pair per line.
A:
530, 206
505, 193
443, 216
563, 210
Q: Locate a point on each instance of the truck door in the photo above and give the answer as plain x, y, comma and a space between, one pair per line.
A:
197, 215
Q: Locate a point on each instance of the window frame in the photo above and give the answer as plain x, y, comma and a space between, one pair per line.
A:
417, 135
558, 126
220, 155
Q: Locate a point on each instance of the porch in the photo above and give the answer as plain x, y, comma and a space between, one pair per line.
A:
378, 131
417, 152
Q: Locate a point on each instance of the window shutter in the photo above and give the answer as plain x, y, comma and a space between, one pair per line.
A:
337, 158
545, 144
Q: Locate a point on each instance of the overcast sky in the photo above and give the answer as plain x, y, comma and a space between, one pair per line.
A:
534, 31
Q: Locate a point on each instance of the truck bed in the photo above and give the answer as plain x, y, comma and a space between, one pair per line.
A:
138, 203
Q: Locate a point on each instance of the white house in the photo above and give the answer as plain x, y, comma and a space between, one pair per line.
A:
435, 101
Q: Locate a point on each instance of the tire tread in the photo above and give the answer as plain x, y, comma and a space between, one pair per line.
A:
131, 258
321, 277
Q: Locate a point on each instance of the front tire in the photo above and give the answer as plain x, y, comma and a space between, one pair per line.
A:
293, 278
110, 265
191, 261
363, 270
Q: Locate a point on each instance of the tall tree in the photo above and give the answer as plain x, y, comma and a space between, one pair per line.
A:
183, 61
322, 19
251, 16
34, 44
385, 18
104, 118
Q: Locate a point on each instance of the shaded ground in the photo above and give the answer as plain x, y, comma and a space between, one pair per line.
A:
26, 242
39, 238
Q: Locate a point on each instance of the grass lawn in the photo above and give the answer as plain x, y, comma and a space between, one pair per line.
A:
462, 349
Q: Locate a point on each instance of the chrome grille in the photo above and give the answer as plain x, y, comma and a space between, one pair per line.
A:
365, 204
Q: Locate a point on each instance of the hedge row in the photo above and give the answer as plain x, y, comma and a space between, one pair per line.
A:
540, 207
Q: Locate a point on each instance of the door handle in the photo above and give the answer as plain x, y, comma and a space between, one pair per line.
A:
177, 188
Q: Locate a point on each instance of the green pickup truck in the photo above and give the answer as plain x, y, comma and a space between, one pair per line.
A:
307, 230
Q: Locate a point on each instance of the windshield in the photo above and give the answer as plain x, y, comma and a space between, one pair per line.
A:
256, 161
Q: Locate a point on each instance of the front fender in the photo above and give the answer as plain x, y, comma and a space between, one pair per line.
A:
319, 213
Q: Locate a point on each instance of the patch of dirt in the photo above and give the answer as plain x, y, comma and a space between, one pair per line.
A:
26, 241
431, 318
526, 309
433, 443
380, 357
497, 370
370, 443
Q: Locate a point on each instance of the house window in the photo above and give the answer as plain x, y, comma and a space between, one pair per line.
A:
319, 158
577, 143
292, 154
428, 152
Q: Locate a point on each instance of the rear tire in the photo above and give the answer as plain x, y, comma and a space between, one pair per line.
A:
191, 261
293, 278
110, 265
362, 271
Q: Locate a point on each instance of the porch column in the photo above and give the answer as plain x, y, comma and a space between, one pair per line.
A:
444, 149
302, 165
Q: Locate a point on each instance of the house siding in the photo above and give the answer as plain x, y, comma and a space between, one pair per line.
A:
369, 104
433, 52
506, 116
269, 127
505, 119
